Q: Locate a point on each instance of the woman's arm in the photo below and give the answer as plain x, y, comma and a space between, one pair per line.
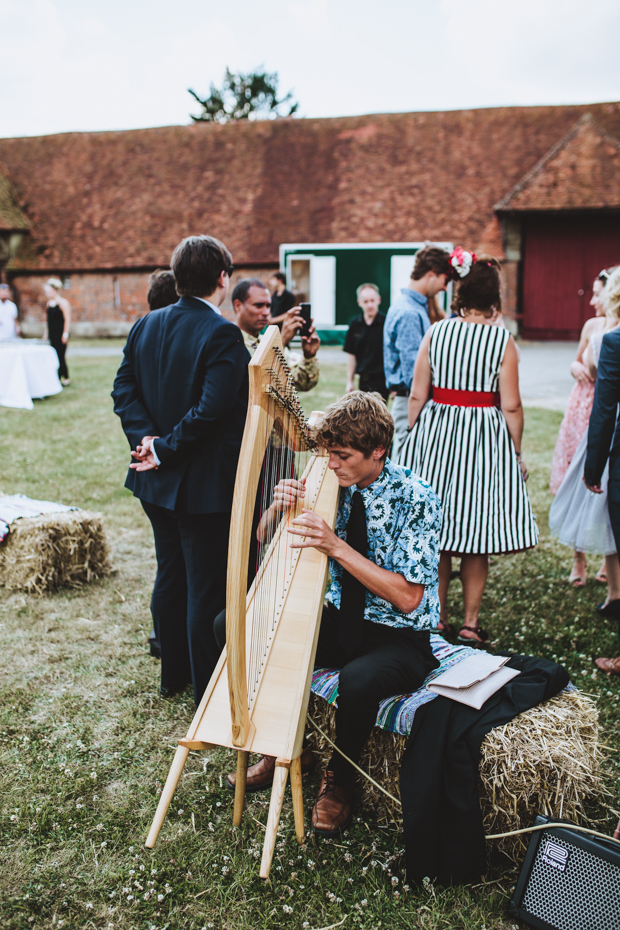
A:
510, 398
579, 369
66, 312
421, 381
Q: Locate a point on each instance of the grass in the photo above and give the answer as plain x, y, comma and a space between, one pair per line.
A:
86, 741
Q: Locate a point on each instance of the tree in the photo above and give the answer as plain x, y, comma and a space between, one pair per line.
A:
244, 96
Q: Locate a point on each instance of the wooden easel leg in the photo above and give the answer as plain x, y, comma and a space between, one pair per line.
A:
273, 819
180, 758
242, 771
298, 799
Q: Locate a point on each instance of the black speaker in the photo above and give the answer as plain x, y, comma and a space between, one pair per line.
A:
568, 881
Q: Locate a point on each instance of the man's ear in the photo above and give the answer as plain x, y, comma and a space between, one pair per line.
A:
379, 453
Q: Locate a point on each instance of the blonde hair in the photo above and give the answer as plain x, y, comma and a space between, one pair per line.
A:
56, 283
610, 296
359, 420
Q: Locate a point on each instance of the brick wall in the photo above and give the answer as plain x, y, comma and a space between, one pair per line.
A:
104, 303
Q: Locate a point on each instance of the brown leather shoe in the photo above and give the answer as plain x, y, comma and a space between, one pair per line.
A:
260, 775
334, 807
611, 666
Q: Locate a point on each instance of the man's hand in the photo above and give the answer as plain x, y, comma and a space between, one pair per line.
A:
144, 455
310, 343
596, 488
291, 323
317, 534
287, 492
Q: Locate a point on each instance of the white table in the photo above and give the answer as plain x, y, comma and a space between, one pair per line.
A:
27, 371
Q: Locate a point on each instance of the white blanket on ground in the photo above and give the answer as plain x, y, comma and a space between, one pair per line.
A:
14, 506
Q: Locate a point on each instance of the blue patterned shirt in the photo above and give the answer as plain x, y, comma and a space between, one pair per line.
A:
405, 325
403, 521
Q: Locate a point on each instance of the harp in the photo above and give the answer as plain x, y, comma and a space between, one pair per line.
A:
257, 698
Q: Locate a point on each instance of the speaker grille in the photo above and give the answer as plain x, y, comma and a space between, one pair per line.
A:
570, 889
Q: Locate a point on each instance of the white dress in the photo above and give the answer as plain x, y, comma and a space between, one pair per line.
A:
579, 518
466, 453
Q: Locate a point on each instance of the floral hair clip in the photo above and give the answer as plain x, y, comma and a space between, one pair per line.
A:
462, 261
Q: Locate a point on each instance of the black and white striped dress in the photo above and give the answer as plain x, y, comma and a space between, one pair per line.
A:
466, 453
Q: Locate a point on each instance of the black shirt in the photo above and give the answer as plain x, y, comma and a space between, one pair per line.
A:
366, 344
280, 303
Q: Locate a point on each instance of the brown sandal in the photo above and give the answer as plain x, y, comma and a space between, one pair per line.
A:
481, 636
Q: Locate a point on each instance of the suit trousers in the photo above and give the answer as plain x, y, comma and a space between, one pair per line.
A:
613, 502
393, 661
189, 592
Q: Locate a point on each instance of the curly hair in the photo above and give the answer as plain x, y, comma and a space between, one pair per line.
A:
359, 420
610, 295
480, 289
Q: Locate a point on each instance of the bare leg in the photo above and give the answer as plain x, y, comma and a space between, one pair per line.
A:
474, 572
445, 570
577, 576
613, 578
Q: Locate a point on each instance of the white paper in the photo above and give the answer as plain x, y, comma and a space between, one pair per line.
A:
473, 680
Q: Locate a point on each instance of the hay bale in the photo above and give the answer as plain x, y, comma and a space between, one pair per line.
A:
42, 553
546, 760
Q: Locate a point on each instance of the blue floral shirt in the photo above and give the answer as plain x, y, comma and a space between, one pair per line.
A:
405, 326
403, 521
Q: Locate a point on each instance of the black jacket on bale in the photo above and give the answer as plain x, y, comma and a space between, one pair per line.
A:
442, 820
184, 378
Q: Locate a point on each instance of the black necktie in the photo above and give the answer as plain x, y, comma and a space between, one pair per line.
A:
353, 592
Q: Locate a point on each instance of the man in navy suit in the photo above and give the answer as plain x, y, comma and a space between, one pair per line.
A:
604, 444
181, 394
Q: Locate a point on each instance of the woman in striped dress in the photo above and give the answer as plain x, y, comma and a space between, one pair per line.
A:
466, 440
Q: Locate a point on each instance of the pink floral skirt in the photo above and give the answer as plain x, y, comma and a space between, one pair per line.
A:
574, 425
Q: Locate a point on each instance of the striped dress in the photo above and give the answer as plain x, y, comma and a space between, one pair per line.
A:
466, 453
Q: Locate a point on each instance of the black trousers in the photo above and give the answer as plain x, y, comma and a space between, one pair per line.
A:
374, 383
393, 661
61, 350
189, 592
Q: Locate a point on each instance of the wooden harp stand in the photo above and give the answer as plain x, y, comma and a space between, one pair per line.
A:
257, 698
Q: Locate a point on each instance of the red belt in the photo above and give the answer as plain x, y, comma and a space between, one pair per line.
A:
465, 398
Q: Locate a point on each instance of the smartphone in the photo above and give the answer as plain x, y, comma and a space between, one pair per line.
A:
305, 312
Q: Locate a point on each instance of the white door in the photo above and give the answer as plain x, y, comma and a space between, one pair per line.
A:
401, 267
323, 290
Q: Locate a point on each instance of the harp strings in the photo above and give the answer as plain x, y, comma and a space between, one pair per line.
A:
287, 450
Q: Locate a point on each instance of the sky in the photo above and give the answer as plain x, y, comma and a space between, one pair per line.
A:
74, 65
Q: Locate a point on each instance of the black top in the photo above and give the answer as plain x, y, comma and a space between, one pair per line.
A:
184, 378
280, 303
55, 322
366, 344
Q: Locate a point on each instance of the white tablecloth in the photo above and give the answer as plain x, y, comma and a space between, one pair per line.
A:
27, 371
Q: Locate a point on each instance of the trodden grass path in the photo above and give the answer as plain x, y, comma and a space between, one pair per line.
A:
86, 741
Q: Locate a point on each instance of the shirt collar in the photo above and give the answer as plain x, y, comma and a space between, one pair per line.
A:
209, 304
415, 296
250, 342
378, 485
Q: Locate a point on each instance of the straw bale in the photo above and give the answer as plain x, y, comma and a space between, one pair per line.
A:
544, 761
42, 553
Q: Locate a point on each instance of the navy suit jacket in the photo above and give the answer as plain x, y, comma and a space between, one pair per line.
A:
185, 378
603, 436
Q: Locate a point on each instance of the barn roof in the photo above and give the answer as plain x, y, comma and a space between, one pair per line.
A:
125, 199
582, 171
11, 217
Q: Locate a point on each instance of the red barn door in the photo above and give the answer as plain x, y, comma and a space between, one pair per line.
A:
562, 255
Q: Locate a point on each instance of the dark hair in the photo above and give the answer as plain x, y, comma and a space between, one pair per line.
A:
197, 264
162, 292
280, 276
359, 420
432, 259
480, 289
242, 289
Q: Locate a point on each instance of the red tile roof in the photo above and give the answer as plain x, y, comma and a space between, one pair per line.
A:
125, 199
582, 171
11, 217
